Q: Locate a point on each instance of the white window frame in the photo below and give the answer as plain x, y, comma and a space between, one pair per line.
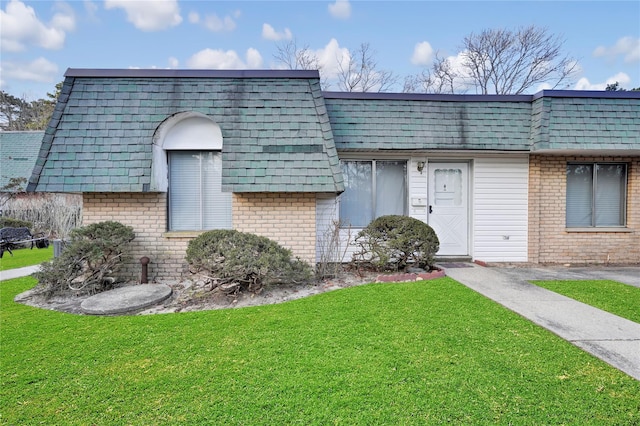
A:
373, 202
594, 196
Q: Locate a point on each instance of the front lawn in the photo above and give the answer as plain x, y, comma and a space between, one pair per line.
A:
428, 352
611, 296
25, 257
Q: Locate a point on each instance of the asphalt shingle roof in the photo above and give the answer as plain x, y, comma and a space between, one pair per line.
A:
550, 120
586, 123
18, 153
274, 125
378, 122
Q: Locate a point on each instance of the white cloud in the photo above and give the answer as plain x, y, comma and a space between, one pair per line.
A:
628, 47
341, 9
269, 33
193, 17
173, 62
151, 15
224, 60
21, 27
217, 24
40, 70
462, 83
422, 54
584, 84
254, 59
330, 57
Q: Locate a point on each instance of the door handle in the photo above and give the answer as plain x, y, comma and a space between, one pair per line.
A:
430, 209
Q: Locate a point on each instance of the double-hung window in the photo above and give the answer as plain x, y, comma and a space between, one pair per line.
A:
596, 195
196, 200
372, 189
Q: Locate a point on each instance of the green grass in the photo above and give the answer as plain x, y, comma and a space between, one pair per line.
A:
611, 296
413, 353
25, 257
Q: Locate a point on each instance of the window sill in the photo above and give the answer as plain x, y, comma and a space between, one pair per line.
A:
603, 229
182, 234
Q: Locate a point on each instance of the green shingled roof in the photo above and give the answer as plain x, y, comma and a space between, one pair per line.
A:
581, 123
549, 121
273, 123
374, 123
18, 153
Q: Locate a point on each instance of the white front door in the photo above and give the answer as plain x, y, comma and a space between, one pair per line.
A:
448, 207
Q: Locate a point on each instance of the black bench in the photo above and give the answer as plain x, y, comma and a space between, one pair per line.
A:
11, 238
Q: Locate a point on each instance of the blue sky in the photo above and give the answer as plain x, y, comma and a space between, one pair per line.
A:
41, 39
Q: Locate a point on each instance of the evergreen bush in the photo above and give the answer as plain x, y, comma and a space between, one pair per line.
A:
393, 243
235, 261
90, 261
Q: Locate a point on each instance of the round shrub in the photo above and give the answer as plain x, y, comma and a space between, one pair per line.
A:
239, 261
90, 262
394, 242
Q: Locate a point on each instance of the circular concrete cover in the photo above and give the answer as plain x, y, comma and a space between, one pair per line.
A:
125, 299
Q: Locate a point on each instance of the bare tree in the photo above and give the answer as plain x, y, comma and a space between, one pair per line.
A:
360, 72
292, 57
440, 78
295, 58
14, 188
501, 61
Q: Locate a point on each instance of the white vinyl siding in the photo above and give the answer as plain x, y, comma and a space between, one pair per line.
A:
418, 189
500, 209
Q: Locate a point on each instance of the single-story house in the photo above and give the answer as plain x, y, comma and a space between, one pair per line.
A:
547, 178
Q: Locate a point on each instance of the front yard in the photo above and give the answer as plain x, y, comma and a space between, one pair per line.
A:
428, 352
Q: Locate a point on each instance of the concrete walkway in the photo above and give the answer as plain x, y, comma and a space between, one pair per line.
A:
611, 338
10, 274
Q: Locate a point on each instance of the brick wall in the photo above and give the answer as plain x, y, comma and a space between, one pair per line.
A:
549, 240
146, 213
287, 218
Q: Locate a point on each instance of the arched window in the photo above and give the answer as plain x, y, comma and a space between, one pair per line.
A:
191, 145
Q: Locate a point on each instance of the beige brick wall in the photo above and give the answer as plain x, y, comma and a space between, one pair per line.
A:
146, 213
287, 218
550, 241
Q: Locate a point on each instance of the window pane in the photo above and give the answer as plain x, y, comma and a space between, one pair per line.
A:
610, 194
391, 191
448, 187
579, 195
195, 198
215, 203
184, 192
356, 202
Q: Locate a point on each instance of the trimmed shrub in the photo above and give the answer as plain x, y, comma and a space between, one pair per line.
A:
9, 222
235, 261
90, 261
392, 243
